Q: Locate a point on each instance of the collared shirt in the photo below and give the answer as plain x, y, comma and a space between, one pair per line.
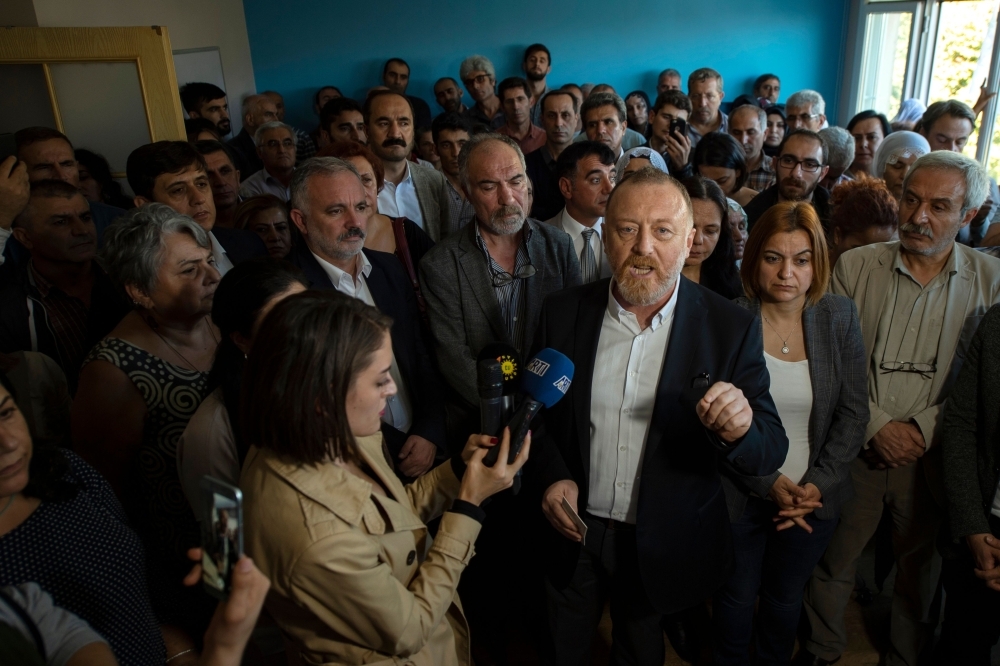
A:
461, 209
398, 408
533, 140
909, 330
536, 108
695, 136
575, 230
623, 393
67, 317
763, 176
475, 115
510, 296
401, 200
222, 262
264, 183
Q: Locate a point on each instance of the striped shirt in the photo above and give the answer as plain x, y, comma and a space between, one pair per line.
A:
510, 296
67, 317
461, 209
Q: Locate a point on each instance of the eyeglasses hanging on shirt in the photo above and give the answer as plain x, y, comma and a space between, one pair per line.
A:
503, 278
923, 369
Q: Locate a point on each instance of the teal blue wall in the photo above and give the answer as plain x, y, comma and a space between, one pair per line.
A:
299, 45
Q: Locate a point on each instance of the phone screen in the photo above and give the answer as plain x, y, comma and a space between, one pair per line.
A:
222, 539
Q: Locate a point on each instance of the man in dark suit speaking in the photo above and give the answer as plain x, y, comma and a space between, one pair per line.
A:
670, 388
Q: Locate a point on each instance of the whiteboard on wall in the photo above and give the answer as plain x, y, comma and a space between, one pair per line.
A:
205, 65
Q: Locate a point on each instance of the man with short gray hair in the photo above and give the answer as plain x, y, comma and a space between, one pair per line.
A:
840, 150
331, 211
480, 78
805, 110
257, 110
669, 79
748, 125
276, 147
920, 300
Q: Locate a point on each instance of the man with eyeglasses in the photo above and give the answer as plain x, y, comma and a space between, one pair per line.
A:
919, 300
706, 94
805, 110
479, 77
485, 284
800, 166
276, 148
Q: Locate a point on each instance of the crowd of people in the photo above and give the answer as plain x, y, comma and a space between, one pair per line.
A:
303, 315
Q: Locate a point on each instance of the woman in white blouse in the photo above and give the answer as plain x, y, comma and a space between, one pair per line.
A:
816, 358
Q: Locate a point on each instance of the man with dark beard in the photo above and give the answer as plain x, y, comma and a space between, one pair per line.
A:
920, 300
485, 284
800, 165
331, 212
670, 389
537, 64
411, 190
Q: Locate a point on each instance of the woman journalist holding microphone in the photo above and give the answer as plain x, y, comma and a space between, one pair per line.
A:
342, 540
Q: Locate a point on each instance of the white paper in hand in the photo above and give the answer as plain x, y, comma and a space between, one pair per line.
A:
581, 526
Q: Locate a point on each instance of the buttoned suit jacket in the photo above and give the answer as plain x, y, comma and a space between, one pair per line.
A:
683, 534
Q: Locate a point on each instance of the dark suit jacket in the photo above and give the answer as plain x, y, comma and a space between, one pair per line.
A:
838, 373
760, 203
683, 534
421, 113
246, 154
548, 200
393, 295
970, 439
239, 244
464, 313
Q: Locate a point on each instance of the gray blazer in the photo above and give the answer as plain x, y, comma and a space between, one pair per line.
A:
432, 195
838, 372
462, 306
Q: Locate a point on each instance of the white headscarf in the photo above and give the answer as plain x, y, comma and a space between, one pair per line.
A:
896, 145
655, 159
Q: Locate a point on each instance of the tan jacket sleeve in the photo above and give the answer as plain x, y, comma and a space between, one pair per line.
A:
432, 494
342, 580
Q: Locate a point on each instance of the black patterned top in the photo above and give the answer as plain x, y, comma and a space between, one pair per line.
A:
155, 502
83, 553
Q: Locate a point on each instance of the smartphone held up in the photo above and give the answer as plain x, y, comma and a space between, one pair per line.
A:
221, 535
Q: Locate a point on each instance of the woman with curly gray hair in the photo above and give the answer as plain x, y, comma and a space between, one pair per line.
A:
139, 387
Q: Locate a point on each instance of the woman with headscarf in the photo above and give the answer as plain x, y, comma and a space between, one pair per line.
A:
638, 158
895, 155
910, 112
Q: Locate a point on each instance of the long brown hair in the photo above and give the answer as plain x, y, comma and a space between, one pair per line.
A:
787, 216
308, 352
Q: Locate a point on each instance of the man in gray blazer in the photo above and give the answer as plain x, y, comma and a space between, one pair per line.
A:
411, 190
920, 300
486, 282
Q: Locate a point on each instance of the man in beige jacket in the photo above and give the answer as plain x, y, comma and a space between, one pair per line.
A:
920, 301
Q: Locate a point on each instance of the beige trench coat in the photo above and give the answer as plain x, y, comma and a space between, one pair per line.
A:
349, 580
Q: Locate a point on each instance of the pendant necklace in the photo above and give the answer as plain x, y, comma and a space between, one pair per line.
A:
784, 341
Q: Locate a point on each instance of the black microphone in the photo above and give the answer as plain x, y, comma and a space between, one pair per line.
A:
510, 366
545, 381
489, 382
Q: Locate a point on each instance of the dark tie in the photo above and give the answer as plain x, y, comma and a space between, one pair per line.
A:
588, 262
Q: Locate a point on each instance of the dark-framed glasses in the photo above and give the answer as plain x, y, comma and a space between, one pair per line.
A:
503, 278
790, 162
907, 366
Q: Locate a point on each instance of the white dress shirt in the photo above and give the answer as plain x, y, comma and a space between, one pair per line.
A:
575, 230
623, 393
401, 200
398, 408
222, 263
